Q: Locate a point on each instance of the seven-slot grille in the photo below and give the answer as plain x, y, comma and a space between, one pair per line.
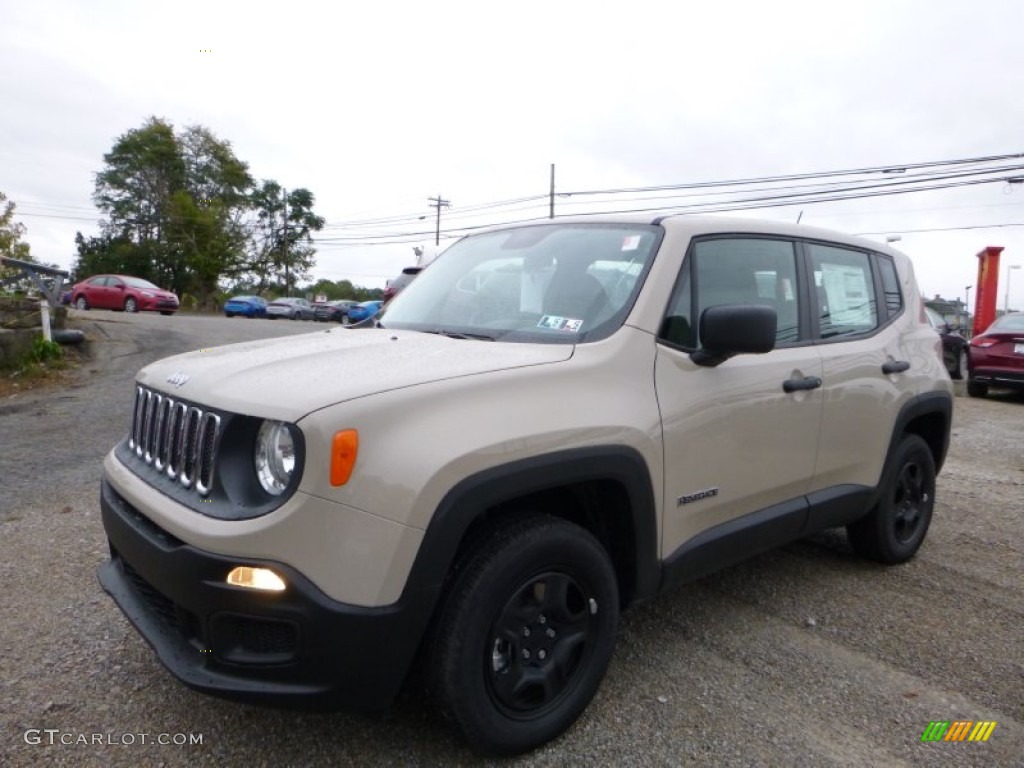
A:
175, 437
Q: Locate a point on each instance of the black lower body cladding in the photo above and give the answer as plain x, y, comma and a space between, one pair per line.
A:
293, 648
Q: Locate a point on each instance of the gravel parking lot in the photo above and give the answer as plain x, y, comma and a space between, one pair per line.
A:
804, 656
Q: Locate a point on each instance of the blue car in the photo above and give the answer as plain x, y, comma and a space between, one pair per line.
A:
250, 306
363, 311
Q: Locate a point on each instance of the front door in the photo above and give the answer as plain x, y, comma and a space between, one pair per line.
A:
735, 442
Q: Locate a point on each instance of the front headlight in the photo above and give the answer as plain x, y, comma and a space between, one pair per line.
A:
274, 456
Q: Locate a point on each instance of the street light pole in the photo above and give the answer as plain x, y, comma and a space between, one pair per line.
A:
967, 308
1006, 303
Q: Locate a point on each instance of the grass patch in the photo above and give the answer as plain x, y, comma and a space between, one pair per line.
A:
46, 364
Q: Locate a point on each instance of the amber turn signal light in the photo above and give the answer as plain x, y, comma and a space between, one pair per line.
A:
344, 449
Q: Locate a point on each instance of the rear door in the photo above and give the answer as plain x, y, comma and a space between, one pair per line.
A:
99, 291
867, 364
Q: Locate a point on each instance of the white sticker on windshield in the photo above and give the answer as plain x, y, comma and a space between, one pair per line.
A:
556, 323
630, 242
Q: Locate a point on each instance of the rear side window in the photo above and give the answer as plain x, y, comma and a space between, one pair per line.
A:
890, 285
844, 291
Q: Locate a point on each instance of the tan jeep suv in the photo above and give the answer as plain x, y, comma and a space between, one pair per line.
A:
550, 424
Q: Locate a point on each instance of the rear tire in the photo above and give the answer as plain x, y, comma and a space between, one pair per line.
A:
524, 636
975, 389
895, 528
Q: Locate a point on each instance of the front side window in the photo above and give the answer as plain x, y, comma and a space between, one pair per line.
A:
735, 270
563, 283
844, 291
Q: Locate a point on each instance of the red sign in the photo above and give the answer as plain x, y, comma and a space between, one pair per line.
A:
988, 285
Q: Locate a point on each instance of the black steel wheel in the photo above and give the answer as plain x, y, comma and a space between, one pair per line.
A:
895, 528
524, 637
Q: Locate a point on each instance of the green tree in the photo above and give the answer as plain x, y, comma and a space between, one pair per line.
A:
178, 201
280, 252
114, 254
142, 171
11, 244
11, 232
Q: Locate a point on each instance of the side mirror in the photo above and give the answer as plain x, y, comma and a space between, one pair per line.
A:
735, 329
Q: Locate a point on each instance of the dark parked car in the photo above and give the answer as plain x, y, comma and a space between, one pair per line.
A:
333, 311
122, 292
364, 310
249, 306
997, 356
954, 346
396, 285
292, 308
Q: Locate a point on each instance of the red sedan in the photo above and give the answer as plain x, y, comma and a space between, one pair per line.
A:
132, 294
997, 356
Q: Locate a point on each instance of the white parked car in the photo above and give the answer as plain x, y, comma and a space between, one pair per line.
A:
291, 308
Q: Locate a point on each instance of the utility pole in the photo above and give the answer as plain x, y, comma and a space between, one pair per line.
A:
287, 271
551, 198
438, 202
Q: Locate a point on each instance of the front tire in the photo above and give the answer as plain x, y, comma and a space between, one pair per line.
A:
131, 305
895, 528
81, 303
975, 389
524, 638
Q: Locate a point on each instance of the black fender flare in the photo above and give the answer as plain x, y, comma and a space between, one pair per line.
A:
927, 404
477, 493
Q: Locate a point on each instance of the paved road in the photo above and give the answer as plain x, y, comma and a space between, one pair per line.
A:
805, 656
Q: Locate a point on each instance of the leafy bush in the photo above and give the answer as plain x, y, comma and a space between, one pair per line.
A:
43, 350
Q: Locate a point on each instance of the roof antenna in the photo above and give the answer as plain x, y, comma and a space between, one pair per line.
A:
799, 217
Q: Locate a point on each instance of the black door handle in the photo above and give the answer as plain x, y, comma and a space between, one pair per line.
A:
796, 385
895, 366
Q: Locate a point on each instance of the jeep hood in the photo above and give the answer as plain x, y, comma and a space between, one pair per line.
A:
288, 377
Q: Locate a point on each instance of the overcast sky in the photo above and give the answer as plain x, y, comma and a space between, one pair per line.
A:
376, 107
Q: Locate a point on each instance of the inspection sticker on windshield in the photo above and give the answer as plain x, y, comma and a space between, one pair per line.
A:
630, 242
556, 323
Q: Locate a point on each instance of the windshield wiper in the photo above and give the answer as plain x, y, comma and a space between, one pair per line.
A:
457, 335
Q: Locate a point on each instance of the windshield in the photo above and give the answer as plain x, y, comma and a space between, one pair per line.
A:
138, 282
563, 283
934, 318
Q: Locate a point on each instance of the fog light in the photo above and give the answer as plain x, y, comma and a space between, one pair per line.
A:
255, 578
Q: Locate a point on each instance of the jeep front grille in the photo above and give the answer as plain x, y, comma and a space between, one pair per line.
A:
175, 437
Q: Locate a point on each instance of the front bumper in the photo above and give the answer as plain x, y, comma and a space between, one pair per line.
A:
292, 648
158, 305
